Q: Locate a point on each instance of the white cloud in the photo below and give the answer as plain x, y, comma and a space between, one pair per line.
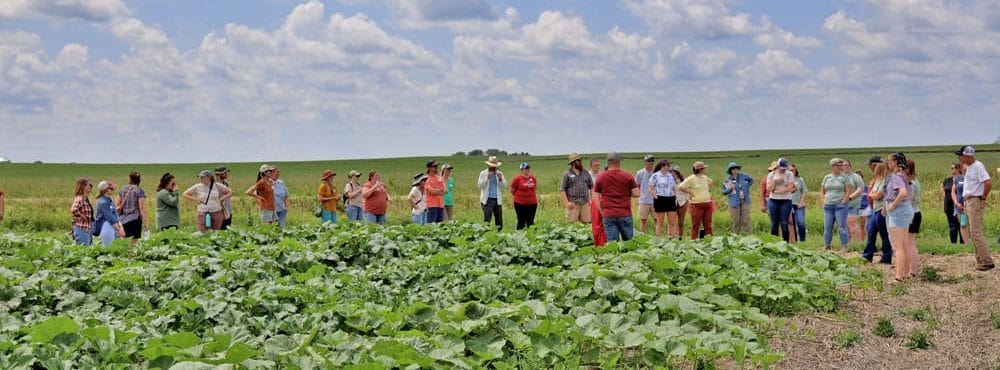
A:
773, 64
706, 19
88, 10
770, 36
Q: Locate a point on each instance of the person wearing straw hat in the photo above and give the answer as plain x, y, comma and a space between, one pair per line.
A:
575, 190
976, 190
434, 189
209, 195
327, 195
355, 201
835, 191
449, 194
222, 177
491, 183
615, 189
736, 188
698, 188
418, 199
263, 191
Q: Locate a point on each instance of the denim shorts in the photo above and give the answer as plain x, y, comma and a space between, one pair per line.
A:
853, 212
902, 216
268, 216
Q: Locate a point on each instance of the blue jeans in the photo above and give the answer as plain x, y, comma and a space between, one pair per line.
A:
282, 215
375, 219
779, 210
329, 216
435, 215
618, 226
419, 219
835, 212
800, 222
108, 233
877, 227
81, 237
354, 213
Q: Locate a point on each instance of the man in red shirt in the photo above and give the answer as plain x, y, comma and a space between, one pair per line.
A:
434, 190
616, 189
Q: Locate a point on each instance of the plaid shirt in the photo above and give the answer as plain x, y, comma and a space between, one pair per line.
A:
83, 213
577, 187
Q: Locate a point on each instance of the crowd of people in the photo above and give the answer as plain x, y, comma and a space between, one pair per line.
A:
885, 208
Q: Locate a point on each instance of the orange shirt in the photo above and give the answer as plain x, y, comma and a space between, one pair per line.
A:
434, 200
326, 192
265, 195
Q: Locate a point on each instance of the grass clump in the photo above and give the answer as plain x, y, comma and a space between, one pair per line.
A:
995, 317
884, 328
847, 338
931, 274
922, 314
919, 339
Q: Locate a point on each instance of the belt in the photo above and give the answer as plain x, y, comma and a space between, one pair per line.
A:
975, 196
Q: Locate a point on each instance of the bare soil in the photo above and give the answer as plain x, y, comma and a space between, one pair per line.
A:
960, 327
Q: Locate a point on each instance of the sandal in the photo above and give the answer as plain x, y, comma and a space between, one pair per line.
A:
898, 280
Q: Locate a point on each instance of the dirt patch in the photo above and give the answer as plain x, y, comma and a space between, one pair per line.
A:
955, 313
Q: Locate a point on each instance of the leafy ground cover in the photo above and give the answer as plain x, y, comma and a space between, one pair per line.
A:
451, 296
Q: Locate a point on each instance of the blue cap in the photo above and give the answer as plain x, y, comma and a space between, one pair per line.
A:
782, 163
524, 165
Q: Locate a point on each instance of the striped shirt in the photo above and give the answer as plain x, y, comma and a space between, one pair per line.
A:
83, 213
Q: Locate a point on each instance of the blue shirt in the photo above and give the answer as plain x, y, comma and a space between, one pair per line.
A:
491, 189
642, 178
105, 211
280, 193
741, 190
663, 184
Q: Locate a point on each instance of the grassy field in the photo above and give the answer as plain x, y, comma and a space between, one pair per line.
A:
39, 195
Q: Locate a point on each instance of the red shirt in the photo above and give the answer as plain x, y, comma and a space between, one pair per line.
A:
434, 182
523, 188
615, 188
377, 201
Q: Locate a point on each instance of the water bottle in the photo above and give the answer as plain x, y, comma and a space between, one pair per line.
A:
208, 220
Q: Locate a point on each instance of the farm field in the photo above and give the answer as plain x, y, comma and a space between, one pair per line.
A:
462, 295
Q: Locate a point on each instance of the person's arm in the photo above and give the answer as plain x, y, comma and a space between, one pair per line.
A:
770, 184
252, 191
822, 192
847, 193
366, 191
857, 192
169, 198
226, 194
189, 195
728, 187
143, 213
802, 198
501, 180
987, 186
899, 198
513, 185
412, 199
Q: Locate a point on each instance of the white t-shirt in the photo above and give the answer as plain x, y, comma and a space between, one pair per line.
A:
975, 176
200, 191
421, 201
779, 182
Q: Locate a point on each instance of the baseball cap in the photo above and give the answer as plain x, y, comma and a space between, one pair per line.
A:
525, 165
614, 156
782, 163
874, 159
266, 167
432, 163
699, 164
205, 173
966, 150
221, 169
105, 185
649, 158
353, 173
835, 161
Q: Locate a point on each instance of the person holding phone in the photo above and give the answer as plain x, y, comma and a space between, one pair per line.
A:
491, 182
376, 199
167, 203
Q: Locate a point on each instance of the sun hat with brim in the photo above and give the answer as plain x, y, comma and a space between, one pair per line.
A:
573, 157
773, 166
221, 170
966, 150
327, 174
699, 164
446, 166
418, 180
205, 173
266, 167
493, 161
353, 173
731, 166
675, 167
835, 161
649, 158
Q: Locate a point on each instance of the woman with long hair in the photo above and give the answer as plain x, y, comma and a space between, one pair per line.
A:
661, 186
876, 224
167, 203
914, 227
83, 213
899, 215
132, 203
376, 199
799, 204
681, 197
263, 191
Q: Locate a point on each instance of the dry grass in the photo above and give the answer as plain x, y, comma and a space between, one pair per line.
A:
960, 327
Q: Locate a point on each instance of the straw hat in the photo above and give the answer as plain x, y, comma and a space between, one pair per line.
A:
493, 161
574, 157
327, 174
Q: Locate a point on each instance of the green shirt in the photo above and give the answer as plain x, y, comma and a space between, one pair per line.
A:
915, 200
167, 212
448, 199
800, 189
834, 187
856, 183
878, 185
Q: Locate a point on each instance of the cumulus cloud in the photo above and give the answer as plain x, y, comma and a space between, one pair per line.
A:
771, 36
705, 19
88, 10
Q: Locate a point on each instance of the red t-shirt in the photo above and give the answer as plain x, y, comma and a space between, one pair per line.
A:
377, 201
434, 182
523, 188
615, 187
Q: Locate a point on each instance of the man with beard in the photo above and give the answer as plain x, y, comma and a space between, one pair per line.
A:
575, 189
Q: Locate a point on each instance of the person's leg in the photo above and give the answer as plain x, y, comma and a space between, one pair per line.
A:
282, 215
644, 210
82, 237
869, 252
519, 213
863, 225
611, 228
952, 227
217, 219
974, 208
898, 237
784, 210
706, 219
107, 233
773, 213
682, 213
626, 227
842, 225
227, 223
696, 214
734, 214
853, 231
488, 210
381, 219
199, 221
672, 227
829, 214
745, 219
887, 247
498, 214
659, 217
448, 215
800, 223
532, 209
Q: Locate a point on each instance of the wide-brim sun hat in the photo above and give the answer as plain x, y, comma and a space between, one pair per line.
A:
266, 167
493, 161
573, 157
221, 170
327, 174
446, 166
353, 173
418, 180
731, 166
699, 164
773, 166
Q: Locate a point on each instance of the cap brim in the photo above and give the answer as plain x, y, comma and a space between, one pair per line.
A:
493, 164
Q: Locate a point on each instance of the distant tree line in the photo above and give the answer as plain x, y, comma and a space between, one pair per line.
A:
489, 152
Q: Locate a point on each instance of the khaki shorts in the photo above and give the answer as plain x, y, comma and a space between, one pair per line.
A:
581, 213
645, 210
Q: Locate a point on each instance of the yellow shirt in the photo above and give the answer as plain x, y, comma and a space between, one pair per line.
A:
699, 185
326, 191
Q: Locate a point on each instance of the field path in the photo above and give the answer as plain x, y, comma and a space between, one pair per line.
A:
959, 324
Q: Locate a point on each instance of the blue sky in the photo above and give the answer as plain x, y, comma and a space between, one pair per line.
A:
227, 80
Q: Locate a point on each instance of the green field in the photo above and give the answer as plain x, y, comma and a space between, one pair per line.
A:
39, 195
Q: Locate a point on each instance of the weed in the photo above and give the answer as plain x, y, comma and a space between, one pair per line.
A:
897, 290
995, 317
848, 338
921, 314
919, 339
931, 274
884, 328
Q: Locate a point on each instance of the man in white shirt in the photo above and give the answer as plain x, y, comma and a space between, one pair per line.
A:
977, 188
